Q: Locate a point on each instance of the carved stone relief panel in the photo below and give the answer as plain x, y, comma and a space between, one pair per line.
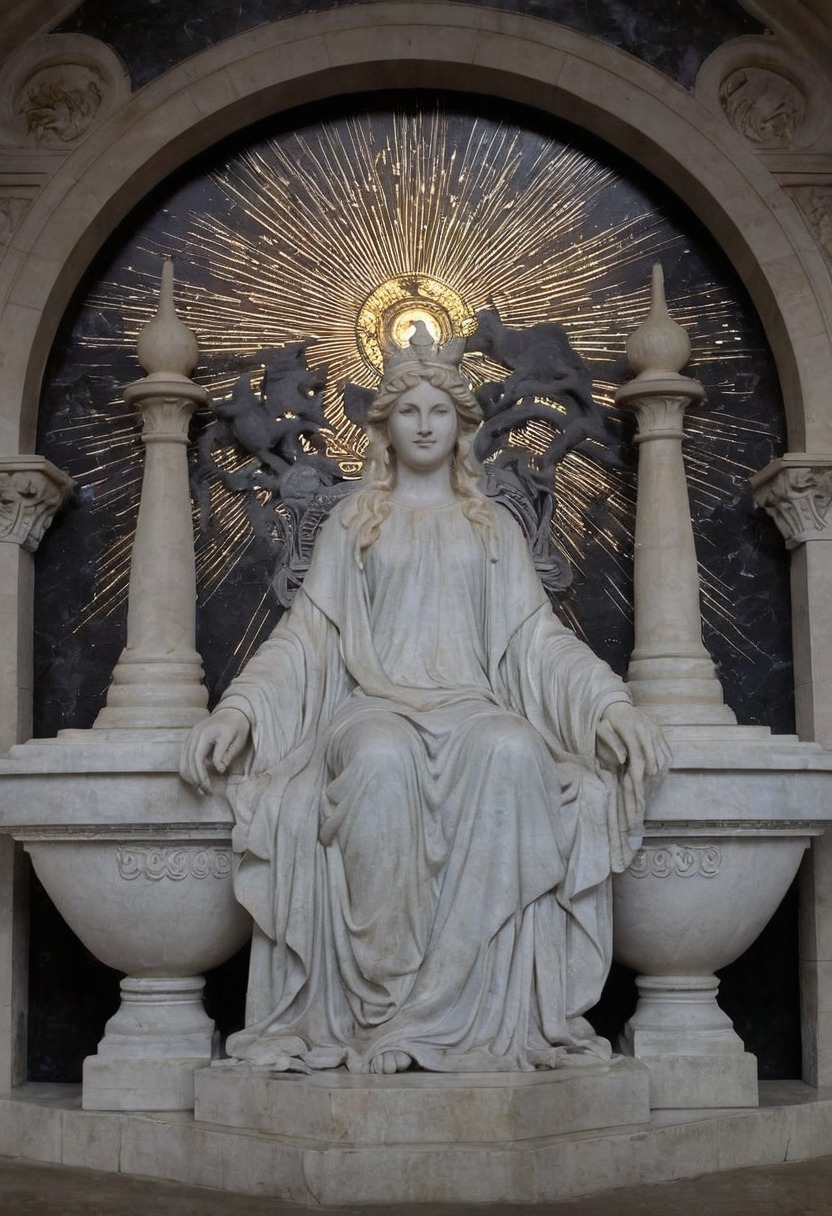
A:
17, 190
12, 210
776, 99
815, 202
55, 89
764, 106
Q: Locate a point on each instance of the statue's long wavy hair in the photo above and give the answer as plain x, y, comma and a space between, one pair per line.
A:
370, 506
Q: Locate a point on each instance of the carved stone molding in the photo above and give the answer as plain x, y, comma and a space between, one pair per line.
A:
684, 861
55, 89
796, 491
774, 98
155, 863
31, 491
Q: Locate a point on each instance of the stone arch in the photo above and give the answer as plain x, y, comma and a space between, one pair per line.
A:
463, 47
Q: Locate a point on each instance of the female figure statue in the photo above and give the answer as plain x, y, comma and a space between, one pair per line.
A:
437, 776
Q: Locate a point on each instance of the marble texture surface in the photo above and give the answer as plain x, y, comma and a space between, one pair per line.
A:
152, 40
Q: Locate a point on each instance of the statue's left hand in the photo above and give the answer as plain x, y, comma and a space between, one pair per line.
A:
632, 744
215, 742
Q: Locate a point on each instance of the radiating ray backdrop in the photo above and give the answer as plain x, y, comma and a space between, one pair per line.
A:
283, 237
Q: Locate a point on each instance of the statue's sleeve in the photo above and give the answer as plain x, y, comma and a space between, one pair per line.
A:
546, 673
559, 684
297, 678
281, 689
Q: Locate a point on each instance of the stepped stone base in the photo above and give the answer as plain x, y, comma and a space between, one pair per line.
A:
418, 1108
45, 1123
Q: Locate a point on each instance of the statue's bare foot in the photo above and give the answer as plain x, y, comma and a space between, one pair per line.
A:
390, 1061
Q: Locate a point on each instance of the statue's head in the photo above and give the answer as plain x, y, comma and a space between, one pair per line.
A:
423, 370
422, 374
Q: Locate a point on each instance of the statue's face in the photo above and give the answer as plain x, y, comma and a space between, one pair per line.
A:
423, 428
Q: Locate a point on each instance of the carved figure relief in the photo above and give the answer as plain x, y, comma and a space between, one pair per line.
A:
764, 106
56, 89
58, 104
768, 93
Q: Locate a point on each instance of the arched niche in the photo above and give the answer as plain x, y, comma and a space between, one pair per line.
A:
463, 47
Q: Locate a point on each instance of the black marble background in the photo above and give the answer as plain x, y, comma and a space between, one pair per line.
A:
152, 36
71, 994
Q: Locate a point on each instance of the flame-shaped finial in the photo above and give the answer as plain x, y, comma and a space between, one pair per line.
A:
659, 346
166, 347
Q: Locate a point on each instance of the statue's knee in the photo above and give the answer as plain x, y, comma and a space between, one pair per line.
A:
380, 746
512, 739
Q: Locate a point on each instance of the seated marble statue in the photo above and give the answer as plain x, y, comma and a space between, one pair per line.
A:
432, 778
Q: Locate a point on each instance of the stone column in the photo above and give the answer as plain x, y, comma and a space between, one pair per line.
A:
157, 682
688, 1043
671, 674
796, 491
31, 491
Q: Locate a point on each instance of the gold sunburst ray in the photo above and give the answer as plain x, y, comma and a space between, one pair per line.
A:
312, 222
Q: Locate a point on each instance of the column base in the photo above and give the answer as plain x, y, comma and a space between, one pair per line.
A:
151, 1047
154, 692
679, 689
695, 1058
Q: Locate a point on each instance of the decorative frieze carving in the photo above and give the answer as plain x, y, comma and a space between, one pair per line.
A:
56, 88
31, 491
156, 863
686, 861
796, 491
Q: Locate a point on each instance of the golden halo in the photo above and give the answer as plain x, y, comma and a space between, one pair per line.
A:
392, 309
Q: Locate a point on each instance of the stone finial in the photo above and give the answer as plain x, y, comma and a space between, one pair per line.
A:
31, 491
166, 347
659, 347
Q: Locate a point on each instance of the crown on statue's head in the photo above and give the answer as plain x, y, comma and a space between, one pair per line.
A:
421, 353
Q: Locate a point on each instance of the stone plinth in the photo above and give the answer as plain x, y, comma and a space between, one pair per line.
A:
420, 1108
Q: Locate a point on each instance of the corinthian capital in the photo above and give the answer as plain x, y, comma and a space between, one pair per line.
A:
796, 491
31, 490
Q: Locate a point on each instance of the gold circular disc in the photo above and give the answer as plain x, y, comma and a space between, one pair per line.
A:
391, 310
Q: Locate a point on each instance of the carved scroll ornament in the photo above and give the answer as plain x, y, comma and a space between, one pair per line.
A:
154, 863
684, 861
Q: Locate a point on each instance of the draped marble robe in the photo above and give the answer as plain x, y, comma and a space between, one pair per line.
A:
425, 838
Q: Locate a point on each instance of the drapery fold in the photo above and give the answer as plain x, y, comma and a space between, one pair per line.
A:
425, 838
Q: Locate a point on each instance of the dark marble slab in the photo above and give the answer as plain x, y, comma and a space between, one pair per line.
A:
675, 36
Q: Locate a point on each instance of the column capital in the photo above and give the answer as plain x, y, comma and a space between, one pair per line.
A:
31, 491
796, 491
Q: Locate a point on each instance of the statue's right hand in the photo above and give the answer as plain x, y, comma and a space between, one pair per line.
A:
217, 740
